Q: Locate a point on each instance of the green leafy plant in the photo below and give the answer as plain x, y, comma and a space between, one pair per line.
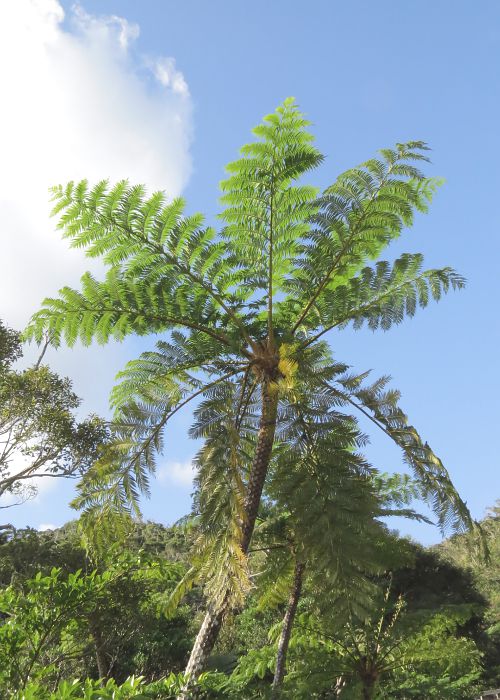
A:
39, 435
53, 623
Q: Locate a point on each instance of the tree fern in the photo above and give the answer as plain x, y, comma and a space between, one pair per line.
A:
241, 310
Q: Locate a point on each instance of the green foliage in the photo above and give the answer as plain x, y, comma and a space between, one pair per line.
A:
267, 216
385, 653
25, 552
10, 346
39, 435
36, 617
158, 278
416, 632
325, 485
383, 296
167, 270
134, 688
438, 661
381, 406
429, 629
222, 464
60, 623
465, 550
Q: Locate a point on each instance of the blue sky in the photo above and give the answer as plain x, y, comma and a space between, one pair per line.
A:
367, 74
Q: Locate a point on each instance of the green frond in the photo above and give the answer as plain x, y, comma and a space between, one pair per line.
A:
433, 480
383, 296
144, 405
222, 465
359, 215
265, 212
120, 306
183, 587
275, 582
326, 486
152, 249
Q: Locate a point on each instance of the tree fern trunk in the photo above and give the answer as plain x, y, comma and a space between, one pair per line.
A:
286, 630
100, 655
202, 647
262, 457
209, 630
368, 688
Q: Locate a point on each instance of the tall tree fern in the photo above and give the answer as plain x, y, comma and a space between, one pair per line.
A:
242, 310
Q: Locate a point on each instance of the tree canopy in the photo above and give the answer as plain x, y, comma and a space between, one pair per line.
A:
39, 433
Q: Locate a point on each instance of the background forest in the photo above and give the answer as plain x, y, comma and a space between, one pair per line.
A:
430, 629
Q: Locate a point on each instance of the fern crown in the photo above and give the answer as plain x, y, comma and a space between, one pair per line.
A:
246, 303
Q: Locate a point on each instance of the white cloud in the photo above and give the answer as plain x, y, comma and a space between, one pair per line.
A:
77, 101
178, 473
43, 527
168, 75
107, 28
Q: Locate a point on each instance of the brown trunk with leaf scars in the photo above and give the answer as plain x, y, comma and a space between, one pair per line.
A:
286, 630
209, 630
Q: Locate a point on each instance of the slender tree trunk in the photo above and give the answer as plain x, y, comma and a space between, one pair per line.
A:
286, 630
368, 688
203, 645
101, 658
209, 630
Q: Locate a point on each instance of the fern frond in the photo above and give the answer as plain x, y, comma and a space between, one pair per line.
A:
360, 214
118, 307
220, 487
183, 587
265, 212
434, 482
383, 296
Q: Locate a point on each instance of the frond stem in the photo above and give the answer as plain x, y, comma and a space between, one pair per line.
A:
184, 269
363, 308
169, 413
344, 248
